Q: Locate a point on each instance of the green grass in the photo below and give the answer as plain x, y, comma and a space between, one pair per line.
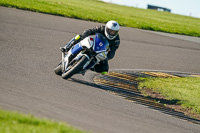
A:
12, 122
185, 90
98, 11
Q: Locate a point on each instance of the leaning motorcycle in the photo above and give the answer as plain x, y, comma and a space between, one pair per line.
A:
83, 56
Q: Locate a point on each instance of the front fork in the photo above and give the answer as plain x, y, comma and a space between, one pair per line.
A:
63, 65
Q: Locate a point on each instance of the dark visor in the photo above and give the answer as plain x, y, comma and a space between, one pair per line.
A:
111, 32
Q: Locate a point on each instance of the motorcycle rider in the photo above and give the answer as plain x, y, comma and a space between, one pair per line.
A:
110, 31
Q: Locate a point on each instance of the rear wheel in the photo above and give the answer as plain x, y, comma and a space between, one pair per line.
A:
75, 68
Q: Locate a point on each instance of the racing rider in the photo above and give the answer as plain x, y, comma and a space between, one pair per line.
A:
110, 31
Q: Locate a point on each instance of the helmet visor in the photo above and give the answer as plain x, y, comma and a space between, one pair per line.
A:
111, 32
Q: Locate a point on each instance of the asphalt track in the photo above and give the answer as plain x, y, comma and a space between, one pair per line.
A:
29, 50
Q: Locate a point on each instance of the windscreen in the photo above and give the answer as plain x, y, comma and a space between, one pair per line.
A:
101, 43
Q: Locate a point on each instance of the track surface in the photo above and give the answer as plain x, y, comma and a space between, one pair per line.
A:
29, 50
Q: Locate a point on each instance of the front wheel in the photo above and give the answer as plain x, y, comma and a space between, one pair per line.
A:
77, 67
58, 69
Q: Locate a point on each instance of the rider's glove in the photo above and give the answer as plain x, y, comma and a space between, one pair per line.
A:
78, 37
63, 49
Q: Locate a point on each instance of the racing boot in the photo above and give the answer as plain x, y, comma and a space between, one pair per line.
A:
103, 73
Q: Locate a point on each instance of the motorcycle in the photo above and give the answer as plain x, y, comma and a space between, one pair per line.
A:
83, 56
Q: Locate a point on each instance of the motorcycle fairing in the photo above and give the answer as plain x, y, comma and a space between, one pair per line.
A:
100, 44
76, 49
87, 42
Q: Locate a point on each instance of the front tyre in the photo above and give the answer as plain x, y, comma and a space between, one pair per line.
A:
58, 69
77, 67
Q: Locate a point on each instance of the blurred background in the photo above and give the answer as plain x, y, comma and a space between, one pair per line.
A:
181, 7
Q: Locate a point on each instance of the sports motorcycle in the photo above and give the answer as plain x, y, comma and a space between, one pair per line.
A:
83, 56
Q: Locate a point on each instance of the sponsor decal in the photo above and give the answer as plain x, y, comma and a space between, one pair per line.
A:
100, 44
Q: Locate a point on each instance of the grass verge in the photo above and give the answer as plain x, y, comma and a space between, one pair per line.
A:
98, 11
182, 91
12, 122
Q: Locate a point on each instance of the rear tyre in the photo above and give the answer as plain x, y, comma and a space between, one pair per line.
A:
77, 67
58, 69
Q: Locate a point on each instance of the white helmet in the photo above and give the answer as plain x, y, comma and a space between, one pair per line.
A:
112, 29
